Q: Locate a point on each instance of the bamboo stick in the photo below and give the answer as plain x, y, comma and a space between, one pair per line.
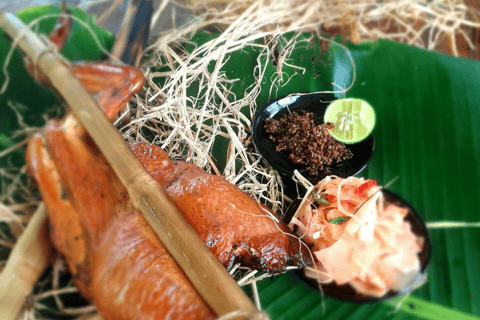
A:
28, 259
208, 276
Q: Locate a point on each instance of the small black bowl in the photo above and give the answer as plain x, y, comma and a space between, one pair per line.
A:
348, 293
317, 104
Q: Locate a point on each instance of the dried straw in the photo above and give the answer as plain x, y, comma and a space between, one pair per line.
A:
179, 123
436, 25
207, 275
171, 115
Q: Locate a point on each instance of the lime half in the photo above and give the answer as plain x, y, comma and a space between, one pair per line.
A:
354, 120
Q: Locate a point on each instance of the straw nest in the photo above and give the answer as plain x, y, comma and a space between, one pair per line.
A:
187, 126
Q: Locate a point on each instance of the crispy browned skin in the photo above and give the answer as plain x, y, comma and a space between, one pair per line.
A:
114, 256
232, 224
116, 259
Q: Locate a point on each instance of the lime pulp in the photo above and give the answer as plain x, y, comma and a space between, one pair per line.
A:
353, 120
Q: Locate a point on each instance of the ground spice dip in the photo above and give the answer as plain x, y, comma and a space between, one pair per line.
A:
309, 144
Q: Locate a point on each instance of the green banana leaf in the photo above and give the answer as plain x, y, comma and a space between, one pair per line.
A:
427, 136
27, 103
428, 118
32, 100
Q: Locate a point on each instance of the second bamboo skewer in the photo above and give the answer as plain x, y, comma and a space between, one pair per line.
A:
27, 261
204, 271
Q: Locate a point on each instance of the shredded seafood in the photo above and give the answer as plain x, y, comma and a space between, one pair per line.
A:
357, 237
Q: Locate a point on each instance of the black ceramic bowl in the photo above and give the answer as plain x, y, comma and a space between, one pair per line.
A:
347, 292
317, 104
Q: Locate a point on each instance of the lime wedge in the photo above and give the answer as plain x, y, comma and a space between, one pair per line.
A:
354, 120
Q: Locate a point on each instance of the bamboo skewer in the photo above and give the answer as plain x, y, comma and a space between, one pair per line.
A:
204, 271
28, 259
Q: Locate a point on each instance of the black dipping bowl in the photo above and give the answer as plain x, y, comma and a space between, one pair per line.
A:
317, 104
347, 292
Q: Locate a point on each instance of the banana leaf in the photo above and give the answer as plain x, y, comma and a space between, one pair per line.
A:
428, 118
25, 103
30, 99
427, 135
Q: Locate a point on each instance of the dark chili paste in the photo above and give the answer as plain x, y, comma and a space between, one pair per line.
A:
308, 143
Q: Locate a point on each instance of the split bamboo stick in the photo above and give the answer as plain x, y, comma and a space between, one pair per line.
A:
208, 276
28, 259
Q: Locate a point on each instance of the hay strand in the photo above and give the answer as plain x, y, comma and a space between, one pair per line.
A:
452, 224
437, 25
207, 275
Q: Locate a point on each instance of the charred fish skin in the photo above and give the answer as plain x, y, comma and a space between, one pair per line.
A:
235, 227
